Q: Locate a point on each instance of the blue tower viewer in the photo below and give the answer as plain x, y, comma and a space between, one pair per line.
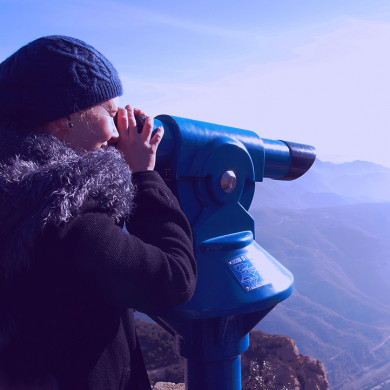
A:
213, 169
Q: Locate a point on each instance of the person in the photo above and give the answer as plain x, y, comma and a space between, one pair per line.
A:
70, 275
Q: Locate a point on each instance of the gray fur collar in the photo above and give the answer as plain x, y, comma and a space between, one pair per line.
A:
43, 182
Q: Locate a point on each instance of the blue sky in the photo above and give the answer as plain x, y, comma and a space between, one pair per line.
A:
315, 72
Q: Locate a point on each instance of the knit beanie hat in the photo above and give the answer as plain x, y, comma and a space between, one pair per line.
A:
53, 77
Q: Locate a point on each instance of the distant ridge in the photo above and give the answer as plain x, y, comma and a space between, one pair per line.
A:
331, 228
327, 184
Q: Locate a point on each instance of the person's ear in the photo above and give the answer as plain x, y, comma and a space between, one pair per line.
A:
58, 126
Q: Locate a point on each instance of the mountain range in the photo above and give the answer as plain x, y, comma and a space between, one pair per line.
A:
327, 184
331, 228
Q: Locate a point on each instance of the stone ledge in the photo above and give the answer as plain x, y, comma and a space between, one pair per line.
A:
168, 386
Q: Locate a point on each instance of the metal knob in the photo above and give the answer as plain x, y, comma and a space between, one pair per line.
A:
228, 181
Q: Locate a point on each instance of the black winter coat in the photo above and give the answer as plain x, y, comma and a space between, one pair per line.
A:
69, 293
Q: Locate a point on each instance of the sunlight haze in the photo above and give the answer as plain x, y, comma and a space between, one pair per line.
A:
303, 71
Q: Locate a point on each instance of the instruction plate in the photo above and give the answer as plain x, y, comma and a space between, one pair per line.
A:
246, 273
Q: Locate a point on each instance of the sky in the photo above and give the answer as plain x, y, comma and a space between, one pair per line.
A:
309, 71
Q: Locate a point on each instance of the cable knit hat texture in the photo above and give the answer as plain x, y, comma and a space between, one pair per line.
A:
53, 77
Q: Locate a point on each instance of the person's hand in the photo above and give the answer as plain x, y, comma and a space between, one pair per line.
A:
139, 149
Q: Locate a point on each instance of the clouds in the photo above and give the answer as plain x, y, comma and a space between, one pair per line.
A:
312, 73
332, 91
